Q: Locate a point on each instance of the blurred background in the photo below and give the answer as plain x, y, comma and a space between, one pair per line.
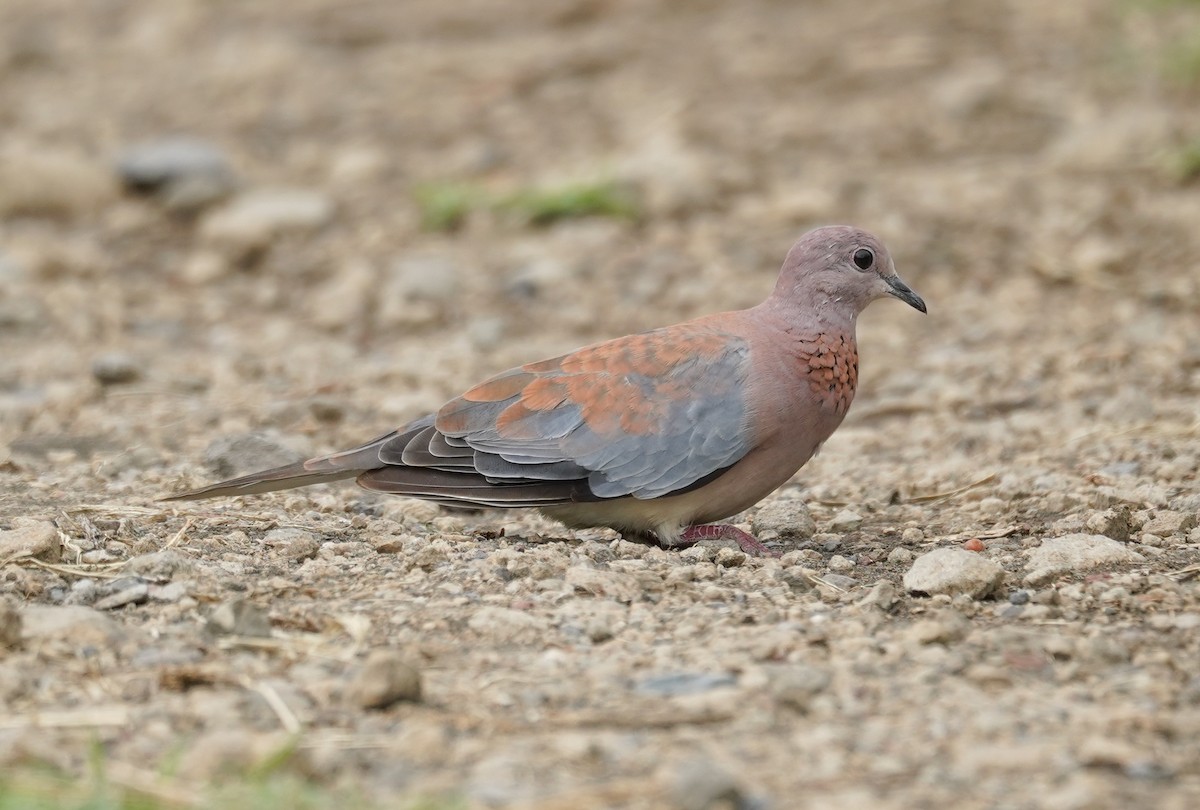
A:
234, 231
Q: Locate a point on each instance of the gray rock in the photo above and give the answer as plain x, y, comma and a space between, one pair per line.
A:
76, 625
238, 617
1075, 552
846, 521
132, 594
384, 680
293, 544
795, 686
186, 172
783, 517
900, 556
116, 368
701, 784
234, 455
171, 592
30, 538
841, 565
1116, 523
953, 571
943, 627
255, 218
684, 683
160, 566
1166, 523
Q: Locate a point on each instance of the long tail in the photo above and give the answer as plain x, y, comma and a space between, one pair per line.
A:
333, 467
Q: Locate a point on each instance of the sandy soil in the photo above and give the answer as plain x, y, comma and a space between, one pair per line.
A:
1020, 159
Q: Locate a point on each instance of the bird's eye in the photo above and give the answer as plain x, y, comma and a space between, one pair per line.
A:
864, 258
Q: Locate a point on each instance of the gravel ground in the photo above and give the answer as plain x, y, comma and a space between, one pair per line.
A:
212, 257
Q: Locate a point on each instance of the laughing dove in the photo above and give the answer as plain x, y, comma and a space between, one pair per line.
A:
654, 434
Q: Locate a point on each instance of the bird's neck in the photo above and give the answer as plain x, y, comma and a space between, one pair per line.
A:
821, 314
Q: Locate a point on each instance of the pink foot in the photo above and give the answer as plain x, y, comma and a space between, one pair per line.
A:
746, 542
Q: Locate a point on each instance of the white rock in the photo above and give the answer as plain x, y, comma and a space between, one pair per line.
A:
846, 521
255, 217
953, 571
1075, 552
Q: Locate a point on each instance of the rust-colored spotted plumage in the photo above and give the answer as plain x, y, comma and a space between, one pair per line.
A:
830, 364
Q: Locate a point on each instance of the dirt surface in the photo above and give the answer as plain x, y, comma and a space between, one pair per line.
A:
1016, 157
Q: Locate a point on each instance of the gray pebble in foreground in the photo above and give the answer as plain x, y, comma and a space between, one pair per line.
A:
185, 171
116, 368
953, 571
384, 680
237, 617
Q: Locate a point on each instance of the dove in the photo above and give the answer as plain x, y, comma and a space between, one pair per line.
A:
658, 435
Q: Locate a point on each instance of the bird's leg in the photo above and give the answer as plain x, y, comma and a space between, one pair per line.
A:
722, 531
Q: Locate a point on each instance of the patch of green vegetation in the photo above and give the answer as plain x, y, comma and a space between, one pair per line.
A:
1186, 161
542, 206
446, 206
1182, 60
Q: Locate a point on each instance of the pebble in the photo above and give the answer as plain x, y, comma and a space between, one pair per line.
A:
953, 571
187, 173
684, 683
160, 566
133, 594
234, 455
882, 595
840, 564
44, 182
116, 368
1073, 553
846, 521
253, 219
944, 627
31, 538
10, 623
1166, 523
900, 556
1116, 523
795, 686
783, 517
239, 617
699, 783
384, 680
294, 544
75, 625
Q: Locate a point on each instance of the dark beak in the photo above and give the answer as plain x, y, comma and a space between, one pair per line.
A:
905, 293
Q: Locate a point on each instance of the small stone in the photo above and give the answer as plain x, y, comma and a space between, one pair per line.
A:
1073, 553
911, 536
10, 623
974, 544
1018, 597
787, 518
239, 617
841, 565
840, 581
171, 592
186, 172
684, 683
882, 595
133, 594
846, 521
255, 218
74, 625
384, 680
31, 538
953, 571
159, 566
796, 686
293, 544
1166, 523
945, 627
701, 784
116, 368
729, 557
234, 455
1116, 523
